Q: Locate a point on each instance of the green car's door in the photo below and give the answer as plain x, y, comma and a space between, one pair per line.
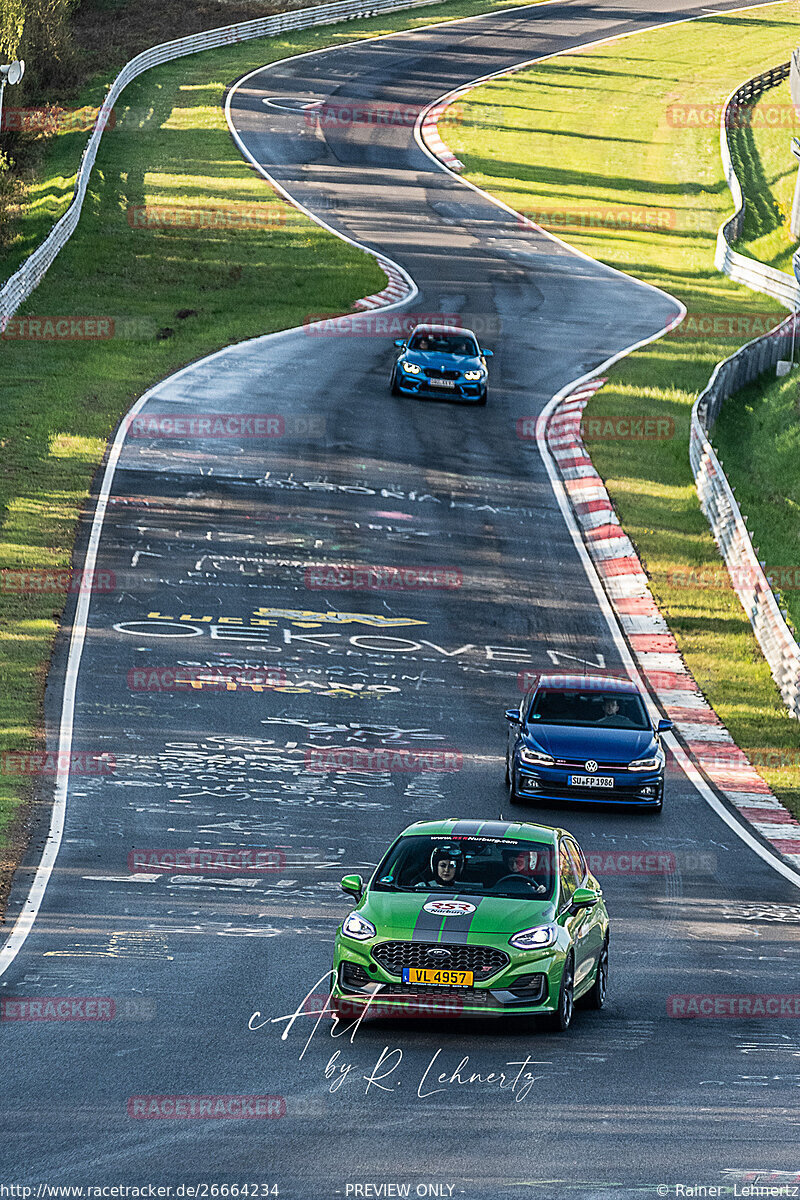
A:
593, 928
581, 923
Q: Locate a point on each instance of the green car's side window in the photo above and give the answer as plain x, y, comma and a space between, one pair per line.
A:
577, 860
566, 872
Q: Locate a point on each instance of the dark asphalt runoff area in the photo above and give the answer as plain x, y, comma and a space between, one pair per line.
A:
211, 541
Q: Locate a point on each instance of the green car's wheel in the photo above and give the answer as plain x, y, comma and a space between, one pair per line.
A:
562, 1017
596, 998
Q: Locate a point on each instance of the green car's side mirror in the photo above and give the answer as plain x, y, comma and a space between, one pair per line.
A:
584, 898
353, 885
399, 343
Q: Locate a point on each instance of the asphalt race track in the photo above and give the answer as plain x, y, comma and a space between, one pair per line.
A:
210, 541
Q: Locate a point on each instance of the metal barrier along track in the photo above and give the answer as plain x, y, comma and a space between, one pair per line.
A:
740, 267
762, 354
727, 524
24, 281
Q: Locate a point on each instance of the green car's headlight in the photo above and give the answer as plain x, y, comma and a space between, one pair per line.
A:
534, 939
411, 368
534, 758
357, 927
471, 376
647, 764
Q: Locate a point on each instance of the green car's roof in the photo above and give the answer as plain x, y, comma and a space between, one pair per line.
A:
470, 827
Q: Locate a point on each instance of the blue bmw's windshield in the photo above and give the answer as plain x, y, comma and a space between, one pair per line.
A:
444, 343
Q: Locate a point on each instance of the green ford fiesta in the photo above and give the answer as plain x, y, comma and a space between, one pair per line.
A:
474, 918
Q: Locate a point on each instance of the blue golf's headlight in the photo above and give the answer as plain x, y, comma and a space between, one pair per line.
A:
411, 368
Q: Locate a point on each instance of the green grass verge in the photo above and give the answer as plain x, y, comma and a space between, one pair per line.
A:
60, 401
767, 170
584, 139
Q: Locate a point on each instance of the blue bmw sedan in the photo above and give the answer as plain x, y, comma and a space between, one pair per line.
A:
585, 737
439, 361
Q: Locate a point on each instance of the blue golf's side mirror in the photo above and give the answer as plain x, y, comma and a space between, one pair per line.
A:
664, 726
512, 716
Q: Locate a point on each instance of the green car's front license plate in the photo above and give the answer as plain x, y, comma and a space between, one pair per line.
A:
598, 781
437, 978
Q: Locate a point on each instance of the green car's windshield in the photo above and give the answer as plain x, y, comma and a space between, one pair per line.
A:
469, 866
614, 710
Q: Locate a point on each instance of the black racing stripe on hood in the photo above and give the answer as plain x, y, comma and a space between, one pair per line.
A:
465, 828
437, 927
456, 929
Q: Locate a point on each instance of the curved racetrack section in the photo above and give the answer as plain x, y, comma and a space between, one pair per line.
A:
212, 540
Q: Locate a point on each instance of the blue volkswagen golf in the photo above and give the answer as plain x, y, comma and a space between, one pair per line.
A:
439, 361
586, 738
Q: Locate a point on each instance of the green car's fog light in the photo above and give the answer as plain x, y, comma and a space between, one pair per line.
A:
534, 939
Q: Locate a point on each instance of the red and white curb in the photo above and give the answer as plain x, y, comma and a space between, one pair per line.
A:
396, 289
654, 648
432, 137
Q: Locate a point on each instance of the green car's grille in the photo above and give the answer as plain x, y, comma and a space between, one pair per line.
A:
445, 998
483, 961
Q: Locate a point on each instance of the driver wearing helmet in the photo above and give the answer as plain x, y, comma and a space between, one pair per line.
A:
446, 864
523, 863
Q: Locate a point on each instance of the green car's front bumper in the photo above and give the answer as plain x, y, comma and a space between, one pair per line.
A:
528, 984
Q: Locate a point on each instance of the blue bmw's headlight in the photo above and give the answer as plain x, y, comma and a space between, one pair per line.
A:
534, 939
411, 368
471, 376
357, 927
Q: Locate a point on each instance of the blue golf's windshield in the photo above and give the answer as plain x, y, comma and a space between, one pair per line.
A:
469, 865
610, 710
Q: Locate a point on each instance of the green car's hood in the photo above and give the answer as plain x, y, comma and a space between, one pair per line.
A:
403, 914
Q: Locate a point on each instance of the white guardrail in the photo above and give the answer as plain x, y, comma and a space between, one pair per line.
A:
762, 354
20, 285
